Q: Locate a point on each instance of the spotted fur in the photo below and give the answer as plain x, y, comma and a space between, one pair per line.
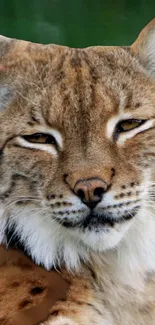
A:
79, 97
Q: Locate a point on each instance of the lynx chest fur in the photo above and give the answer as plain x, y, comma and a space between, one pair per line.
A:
77, 172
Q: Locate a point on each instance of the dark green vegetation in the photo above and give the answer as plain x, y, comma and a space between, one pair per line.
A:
76, 23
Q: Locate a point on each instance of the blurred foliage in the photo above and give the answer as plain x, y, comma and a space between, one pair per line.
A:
76, 23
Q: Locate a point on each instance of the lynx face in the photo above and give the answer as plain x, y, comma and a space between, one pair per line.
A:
77, 148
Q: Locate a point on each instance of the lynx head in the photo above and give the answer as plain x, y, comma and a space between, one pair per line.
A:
77, 149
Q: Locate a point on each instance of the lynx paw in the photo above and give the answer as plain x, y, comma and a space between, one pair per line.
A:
60, 321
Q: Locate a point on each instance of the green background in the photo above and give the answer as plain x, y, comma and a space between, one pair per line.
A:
76, 23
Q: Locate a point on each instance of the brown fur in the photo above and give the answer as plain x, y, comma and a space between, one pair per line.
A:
27, 291
76, 92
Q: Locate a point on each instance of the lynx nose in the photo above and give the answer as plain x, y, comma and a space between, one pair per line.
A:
90, 191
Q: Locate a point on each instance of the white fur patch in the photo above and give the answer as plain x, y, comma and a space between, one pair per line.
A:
61, 321
3, 222
39, 146
46, 240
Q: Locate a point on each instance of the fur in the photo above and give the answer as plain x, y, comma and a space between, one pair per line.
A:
63, 129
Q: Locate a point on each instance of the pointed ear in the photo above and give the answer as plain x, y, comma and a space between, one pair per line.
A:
144, 47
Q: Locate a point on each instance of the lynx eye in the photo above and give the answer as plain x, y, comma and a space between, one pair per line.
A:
40, 138
127, 125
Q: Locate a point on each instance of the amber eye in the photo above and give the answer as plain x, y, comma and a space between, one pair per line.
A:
128, 125
40, 138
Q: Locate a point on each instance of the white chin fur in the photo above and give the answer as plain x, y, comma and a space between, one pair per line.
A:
3, 223
46, 241
51, 244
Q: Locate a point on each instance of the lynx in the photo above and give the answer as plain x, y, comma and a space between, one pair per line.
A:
77, 172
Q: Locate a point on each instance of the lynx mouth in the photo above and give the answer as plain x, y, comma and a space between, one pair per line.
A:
94, 221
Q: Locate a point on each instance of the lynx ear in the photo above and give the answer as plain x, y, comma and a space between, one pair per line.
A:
144, 47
